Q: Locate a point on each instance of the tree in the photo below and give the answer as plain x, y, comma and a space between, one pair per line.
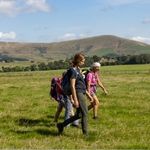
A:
42, 66
33, 67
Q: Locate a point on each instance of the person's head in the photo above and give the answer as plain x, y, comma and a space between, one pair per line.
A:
78, 59
95, 66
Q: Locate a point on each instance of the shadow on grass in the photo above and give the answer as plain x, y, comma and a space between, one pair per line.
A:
47, 132
44, 132
34, 122
43, 125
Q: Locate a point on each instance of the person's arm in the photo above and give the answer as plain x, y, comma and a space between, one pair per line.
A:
101, 85
73, 90
71, 99
89, 96
88, 91
88, 82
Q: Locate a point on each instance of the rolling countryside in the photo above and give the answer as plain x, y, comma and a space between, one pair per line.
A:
106, 45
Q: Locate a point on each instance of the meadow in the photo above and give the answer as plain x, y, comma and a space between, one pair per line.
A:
26, 112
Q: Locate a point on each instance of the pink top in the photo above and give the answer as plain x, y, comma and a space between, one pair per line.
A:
93, 78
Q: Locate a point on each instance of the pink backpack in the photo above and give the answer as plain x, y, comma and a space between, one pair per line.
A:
55, 88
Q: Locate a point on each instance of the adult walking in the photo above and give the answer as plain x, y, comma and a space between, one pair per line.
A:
78, 92
92, 80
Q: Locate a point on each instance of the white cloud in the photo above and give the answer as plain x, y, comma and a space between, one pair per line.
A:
71, 36
37, 5
14, 7
141, 39
8, 7
7, 35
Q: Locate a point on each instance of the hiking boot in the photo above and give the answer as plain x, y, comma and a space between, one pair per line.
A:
60, 128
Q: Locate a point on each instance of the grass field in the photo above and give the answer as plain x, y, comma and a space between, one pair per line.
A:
26, 112
13, 64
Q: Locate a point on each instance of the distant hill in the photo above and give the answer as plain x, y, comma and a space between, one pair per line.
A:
101, 46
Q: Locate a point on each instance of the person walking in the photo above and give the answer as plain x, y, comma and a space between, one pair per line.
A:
62, 100
92, 80
78, 92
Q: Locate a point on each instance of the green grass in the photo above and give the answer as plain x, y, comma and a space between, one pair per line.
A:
26, 112
13, 64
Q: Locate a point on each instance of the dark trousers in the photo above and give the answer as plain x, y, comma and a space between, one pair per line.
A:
81, 112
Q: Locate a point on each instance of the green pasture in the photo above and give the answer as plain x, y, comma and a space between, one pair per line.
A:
13, 64
26, 112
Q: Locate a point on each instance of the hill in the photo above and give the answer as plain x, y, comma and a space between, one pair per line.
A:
100, 46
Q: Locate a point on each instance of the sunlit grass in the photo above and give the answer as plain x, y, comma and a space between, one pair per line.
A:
26, 112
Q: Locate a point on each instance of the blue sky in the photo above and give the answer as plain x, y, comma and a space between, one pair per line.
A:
60, 20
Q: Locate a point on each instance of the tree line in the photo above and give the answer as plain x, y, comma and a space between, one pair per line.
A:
64, 64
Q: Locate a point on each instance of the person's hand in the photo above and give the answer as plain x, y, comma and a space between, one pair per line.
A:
72, 102
105, 91
91, 99
76, 104
71, 99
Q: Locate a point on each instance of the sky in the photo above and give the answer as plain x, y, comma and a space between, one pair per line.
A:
49, 21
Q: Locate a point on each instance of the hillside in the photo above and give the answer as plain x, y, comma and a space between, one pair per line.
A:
100, 45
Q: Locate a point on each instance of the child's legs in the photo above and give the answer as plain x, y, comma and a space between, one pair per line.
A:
69, 110
58, 111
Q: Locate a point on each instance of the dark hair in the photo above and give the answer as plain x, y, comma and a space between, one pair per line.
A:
77, 58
